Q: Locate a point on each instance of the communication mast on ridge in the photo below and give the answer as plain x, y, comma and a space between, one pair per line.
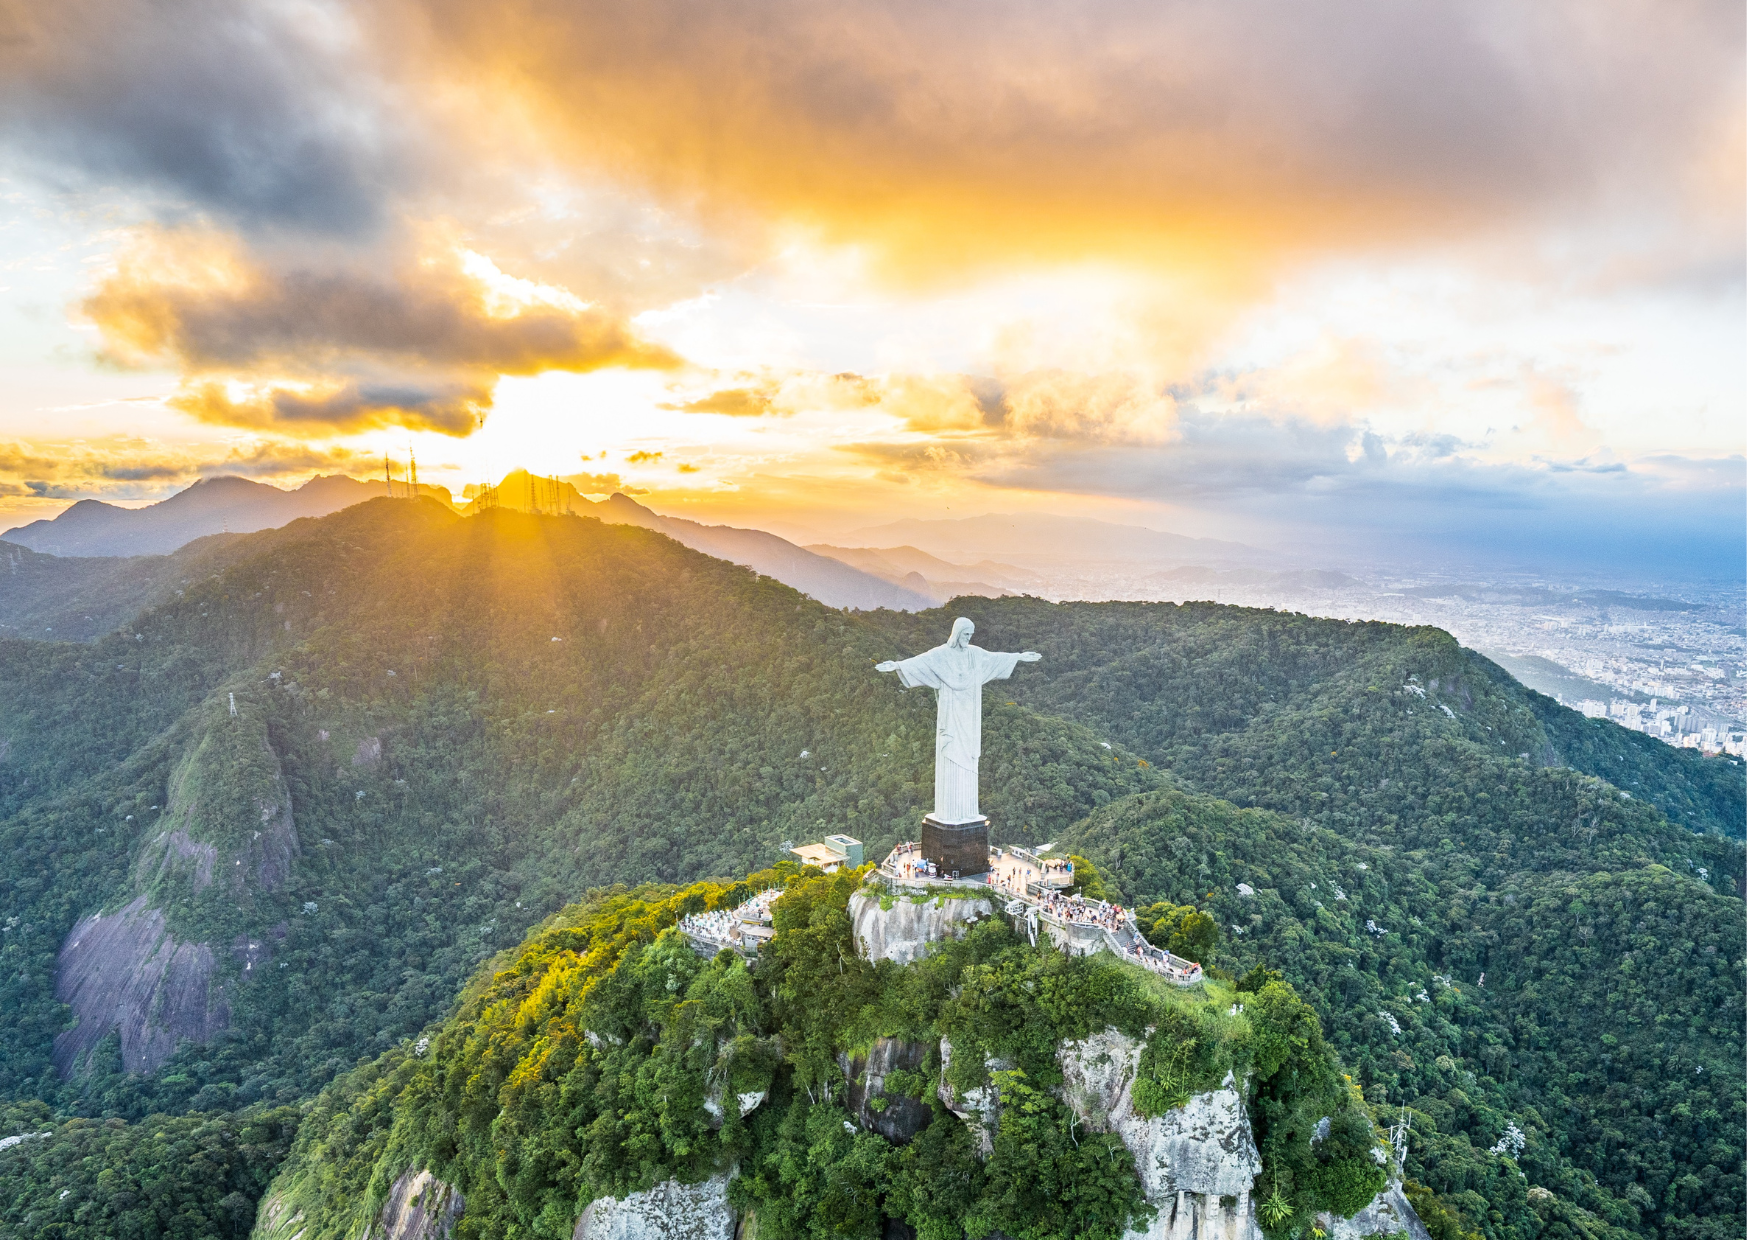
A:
415, 472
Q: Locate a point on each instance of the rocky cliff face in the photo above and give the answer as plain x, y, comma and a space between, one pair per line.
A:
1388, 1214
1195, 1157
903, 931
979, 1107
125, 971
669, 1211
1204, 1146
1188, 1159
897, 1117
227, 820
419, 1207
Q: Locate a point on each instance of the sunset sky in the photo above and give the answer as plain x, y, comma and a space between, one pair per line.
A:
1374, 278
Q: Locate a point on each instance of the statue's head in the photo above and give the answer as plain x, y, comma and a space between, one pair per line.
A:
962, 631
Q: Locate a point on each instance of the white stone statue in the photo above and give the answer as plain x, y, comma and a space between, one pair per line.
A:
957, 673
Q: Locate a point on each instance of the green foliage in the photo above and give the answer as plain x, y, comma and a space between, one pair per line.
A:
581, 1066
1046, 1181
1609, 1029
1256, 977
1441, 1221
1190, 1051
937, 1178
817, 1175
1181, 929
186, 1177
1086, 880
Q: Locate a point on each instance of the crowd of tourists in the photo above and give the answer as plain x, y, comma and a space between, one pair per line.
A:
907, 861
722, 925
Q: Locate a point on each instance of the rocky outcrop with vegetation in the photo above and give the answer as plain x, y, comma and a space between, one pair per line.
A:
991, 1085
226, 833
899, 925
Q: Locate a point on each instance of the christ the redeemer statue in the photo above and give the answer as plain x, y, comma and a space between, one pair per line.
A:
957, 673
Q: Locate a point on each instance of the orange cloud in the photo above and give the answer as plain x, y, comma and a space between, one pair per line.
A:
339, 346
124, 467
1211, 139
735, 402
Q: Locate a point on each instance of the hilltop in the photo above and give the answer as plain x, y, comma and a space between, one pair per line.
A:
820, 1093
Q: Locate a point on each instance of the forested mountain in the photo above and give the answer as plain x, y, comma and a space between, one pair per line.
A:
830, 580
268, 827
80, 598
1560, 973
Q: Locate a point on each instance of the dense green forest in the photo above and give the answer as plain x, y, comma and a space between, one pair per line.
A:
1575, 981
447, 729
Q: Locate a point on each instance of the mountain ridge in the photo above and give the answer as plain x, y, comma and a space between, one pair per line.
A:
227, 502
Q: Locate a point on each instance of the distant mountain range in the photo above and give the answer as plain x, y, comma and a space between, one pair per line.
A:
1043, 540
72, 598
211, 506
826, 578
931, 576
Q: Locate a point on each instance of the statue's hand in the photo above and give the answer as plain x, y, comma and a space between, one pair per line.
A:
888, 666
1030, 656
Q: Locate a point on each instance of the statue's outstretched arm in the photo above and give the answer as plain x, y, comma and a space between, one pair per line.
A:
888, 666
1029, 656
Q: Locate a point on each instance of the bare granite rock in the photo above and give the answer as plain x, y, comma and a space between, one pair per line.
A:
125, 971
669, 1211
903, 932
227, 820
980, 1106
1202, 1147
1387, 1214
419, 1207
895, 1116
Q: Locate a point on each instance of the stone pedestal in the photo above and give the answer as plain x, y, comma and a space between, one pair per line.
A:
960, 846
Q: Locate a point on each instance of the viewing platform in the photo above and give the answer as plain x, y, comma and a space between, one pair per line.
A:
1038, 898
743, 929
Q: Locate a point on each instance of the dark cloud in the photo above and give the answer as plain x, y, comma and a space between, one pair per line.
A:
256, 114
232, 313
451, 408
343, 347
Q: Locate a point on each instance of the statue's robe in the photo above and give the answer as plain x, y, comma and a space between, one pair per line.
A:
957, 674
